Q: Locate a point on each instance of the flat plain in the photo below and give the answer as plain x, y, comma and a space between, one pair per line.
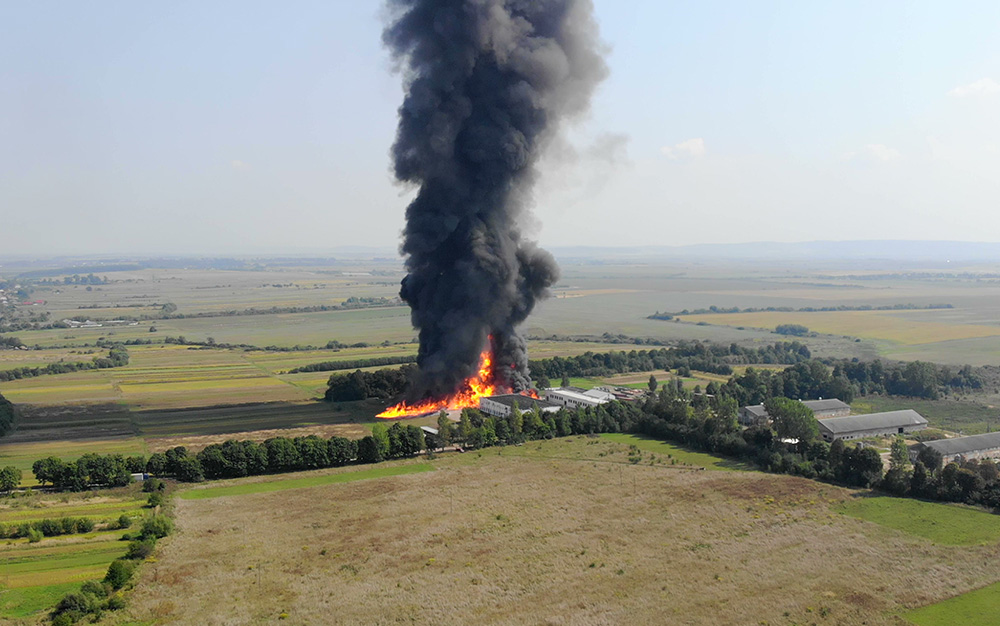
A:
564, 532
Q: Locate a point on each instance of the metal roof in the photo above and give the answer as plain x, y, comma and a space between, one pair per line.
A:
756, 410
832, 404
523, 402
872, 421
962, 445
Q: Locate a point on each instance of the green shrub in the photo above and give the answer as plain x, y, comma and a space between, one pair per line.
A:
49, 527
95, 588
84, 525
140, 549
154, 500
68, 525
33, 535
63, 619
119, 573
153, 484
115, 603
156, 527
124, 521
76, 605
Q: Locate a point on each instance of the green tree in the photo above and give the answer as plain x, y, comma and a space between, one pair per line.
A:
10, 478
381, 436
652, 384
119, 573
792, 420
899, 456
565, 381
445, 429
369, 451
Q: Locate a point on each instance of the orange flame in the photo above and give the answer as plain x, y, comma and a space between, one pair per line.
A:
474, 388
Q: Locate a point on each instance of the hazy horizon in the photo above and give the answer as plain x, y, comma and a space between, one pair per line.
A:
233, 128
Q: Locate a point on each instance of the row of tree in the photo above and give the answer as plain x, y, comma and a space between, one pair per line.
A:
7, 416
117, 357
845, 379
90, 470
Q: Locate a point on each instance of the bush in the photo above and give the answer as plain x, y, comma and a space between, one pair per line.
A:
50, 527
63, 619
124, 521
115, 603
140, 549
94, 588
76, 605
153, 484
68, 525
84, 525
156, 527
154, 500
34, 535
119, 573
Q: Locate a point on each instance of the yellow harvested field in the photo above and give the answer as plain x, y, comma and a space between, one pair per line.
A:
882, 325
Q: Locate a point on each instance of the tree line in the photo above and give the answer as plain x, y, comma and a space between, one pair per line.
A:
845, 379
808, 309
117, 357
330, 366
7, 416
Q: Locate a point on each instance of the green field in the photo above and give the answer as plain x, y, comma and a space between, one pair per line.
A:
975, 608
946, 524
308, 481
683, 456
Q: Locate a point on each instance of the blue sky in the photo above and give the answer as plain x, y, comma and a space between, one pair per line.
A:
241, 127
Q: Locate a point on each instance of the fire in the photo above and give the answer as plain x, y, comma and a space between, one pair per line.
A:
474, 388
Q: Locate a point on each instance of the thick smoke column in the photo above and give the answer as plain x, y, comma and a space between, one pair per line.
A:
487, 82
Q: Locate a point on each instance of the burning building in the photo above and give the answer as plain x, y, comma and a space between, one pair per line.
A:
487, 84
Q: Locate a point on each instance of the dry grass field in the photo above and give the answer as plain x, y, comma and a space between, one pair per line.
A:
560, 533
874, 325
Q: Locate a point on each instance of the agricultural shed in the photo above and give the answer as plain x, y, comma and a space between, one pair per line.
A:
872, 425
985, 446
500, 406
755, 414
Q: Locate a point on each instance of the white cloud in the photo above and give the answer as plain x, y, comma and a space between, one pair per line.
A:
693, 148
981, 87
877, 151
881, 152
239, 165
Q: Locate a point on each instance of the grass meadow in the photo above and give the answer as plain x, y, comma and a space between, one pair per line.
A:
946, 524
975, 608
563, 531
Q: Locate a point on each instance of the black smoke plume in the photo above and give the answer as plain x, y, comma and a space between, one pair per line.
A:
487, 83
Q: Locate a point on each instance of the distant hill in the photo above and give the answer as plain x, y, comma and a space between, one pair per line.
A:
935, 252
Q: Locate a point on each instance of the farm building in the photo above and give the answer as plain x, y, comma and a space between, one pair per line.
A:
500, 406
872, 425
967, 448
575, 398
750, 415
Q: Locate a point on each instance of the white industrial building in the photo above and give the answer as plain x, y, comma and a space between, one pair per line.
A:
501, 406
576, 398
